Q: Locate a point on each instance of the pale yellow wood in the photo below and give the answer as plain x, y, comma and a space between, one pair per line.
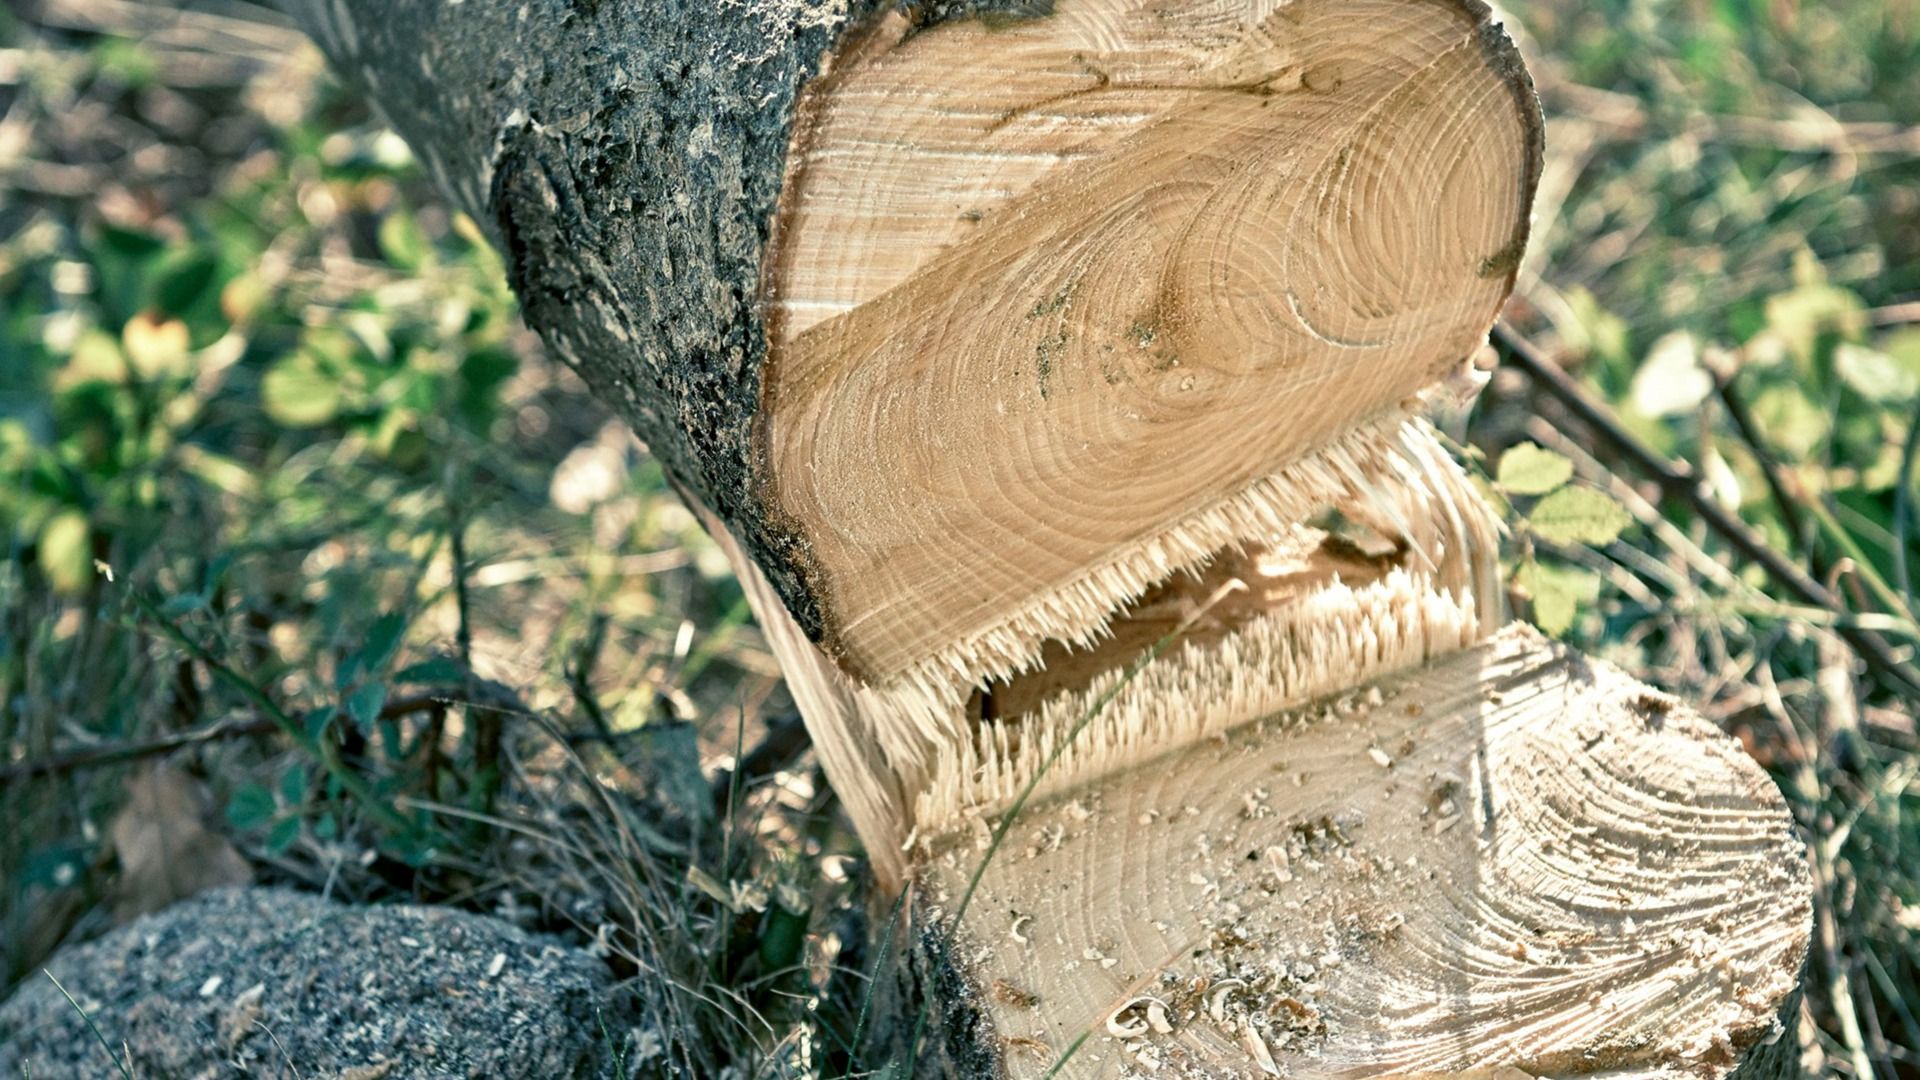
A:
1046, 293
1516, 863
1288, 613
1201, 608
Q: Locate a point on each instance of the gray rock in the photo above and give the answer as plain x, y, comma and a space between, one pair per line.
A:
269, 983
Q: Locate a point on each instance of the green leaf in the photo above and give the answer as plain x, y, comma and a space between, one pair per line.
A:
1670, 381
482, 373
96, 357
1557, 593
391, 741
123, 261
411, 848
185, 282
283, 834
382, 639
402, 241
1578, 516
783, 934
316, 721
1874, 375
1903, 346
66, 552
1791, 422
298, 394
250, 806
156, 346
124, 61
440, 669
1814, 310
1595, 331
215, 571
243, 297
1527, 469
1493, 495
293, 785
363, 705
216, 470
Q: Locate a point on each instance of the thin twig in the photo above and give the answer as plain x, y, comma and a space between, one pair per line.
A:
94, 757
1678, 481
1783, 500
280, 1046
1625, 116
1895, 314
1791, 501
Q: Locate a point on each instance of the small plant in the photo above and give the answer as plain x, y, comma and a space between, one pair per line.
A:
1557, 514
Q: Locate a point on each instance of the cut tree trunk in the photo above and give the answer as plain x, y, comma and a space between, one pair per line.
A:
1051, 373
1513, 863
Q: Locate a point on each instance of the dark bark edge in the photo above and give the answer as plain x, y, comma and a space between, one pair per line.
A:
626, 158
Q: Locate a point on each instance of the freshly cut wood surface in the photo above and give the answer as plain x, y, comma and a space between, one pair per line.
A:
1262, 628
1047, 291
1284, 617
1202, 608
1516, 863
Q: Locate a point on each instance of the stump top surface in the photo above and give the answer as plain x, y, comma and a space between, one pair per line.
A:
1050, 294
1516, 859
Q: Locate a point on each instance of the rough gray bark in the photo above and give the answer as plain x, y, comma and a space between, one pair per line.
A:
626, 157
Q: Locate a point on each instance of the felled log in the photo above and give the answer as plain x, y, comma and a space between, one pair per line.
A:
1052, 374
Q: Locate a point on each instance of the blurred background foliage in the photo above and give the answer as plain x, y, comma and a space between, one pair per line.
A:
308, 544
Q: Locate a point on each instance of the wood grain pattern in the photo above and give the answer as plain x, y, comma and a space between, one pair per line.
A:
1045, 293
1516, 863
1281, 619
1264, 626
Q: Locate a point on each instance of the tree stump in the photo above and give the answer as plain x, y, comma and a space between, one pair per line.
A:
1051, 372
1513, 863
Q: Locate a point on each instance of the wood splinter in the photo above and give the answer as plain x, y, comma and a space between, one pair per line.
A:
1051, 373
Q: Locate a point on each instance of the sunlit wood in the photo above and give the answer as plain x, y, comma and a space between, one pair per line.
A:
1515, 864
1047, 292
